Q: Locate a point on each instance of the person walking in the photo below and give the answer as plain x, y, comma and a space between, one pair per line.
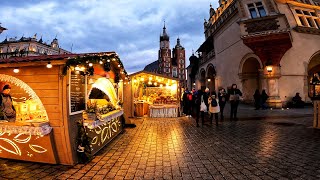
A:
214, 108
202, 106
185, 102
257, 99
181, 102
189, 103
234, 98
222, 96
264, 97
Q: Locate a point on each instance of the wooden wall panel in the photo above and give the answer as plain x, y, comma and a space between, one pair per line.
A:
47, 93
32, 71
60, 144
44, 85
50, 101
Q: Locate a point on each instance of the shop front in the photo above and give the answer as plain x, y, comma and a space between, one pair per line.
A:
152, 95
67, 106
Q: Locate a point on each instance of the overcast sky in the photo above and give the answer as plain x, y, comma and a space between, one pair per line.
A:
129, 27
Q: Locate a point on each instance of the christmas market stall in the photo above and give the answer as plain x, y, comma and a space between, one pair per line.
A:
67, 107
151, 94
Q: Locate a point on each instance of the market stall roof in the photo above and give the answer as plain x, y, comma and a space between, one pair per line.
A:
51, 57
68, 60
144, 73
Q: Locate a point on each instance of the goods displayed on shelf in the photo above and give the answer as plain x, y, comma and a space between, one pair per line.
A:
153, 92
29, 111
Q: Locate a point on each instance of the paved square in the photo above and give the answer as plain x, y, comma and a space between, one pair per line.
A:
264, 144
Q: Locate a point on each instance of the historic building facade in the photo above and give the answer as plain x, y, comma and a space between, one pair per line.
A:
260, 44
170, 62
29, 46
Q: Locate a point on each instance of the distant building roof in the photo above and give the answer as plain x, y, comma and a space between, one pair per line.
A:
152, 67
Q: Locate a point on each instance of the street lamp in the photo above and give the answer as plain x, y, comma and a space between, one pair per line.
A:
269, 69
269, 66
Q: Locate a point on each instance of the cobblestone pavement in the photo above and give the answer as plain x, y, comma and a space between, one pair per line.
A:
282, 145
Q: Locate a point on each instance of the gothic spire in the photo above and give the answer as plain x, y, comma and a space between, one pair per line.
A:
164, 36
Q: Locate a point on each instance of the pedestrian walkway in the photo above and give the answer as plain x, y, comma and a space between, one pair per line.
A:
273, 147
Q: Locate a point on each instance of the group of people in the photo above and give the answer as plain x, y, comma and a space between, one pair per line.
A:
260, 100
200, 102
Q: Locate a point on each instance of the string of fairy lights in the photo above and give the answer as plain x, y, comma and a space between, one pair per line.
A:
84, 63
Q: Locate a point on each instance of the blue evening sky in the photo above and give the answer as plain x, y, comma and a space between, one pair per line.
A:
130, 28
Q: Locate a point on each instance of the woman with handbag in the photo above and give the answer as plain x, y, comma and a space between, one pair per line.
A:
214, 108
202, 106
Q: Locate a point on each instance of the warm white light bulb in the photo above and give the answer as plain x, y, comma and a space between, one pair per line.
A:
90, 64
100, 62
16, 70
77, 68
49, 65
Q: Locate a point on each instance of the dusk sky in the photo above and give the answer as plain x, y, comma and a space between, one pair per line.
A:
130, 28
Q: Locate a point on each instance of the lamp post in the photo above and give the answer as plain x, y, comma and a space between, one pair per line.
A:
314, 94
2, 29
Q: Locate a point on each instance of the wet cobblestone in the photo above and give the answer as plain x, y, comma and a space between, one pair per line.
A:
276, 145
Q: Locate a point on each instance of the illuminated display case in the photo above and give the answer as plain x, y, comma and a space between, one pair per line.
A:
314, 87
153, 92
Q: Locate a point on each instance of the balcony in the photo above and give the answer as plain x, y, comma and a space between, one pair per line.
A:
264, 26
207, 57
261, 35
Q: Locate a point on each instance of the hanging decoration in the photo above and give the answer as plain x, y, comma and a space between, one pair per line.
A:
86, 63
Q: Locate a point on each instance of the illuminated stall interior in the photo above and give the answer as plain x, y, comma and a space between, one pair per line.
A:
153, 90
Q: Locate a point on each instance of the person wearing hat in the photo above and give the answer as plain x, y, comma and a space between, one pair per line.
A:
7, 111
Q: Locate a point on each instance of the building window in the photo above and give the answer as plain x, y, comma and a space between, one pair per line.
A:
256, 10
307, 18
174, 72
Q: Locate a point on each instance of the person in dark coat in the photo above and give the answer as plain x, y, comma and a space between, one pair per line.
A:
257, 99
185, 102
264, 97
234, 97
222, 96
297, 101
201, 96
7, 111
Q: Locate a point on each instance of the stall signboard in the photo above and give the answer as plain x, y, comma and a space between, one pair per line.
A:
77, 92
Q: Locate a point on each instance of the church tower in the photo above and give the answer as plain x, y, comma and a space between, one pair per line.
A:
178, 62
164, 57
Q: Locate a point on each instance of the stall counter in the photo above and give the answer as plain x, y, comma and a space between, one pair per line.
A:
102, 131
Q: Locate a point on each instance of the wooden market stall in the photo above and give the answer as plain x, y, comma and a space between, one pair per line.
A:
67, 106
151, 94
